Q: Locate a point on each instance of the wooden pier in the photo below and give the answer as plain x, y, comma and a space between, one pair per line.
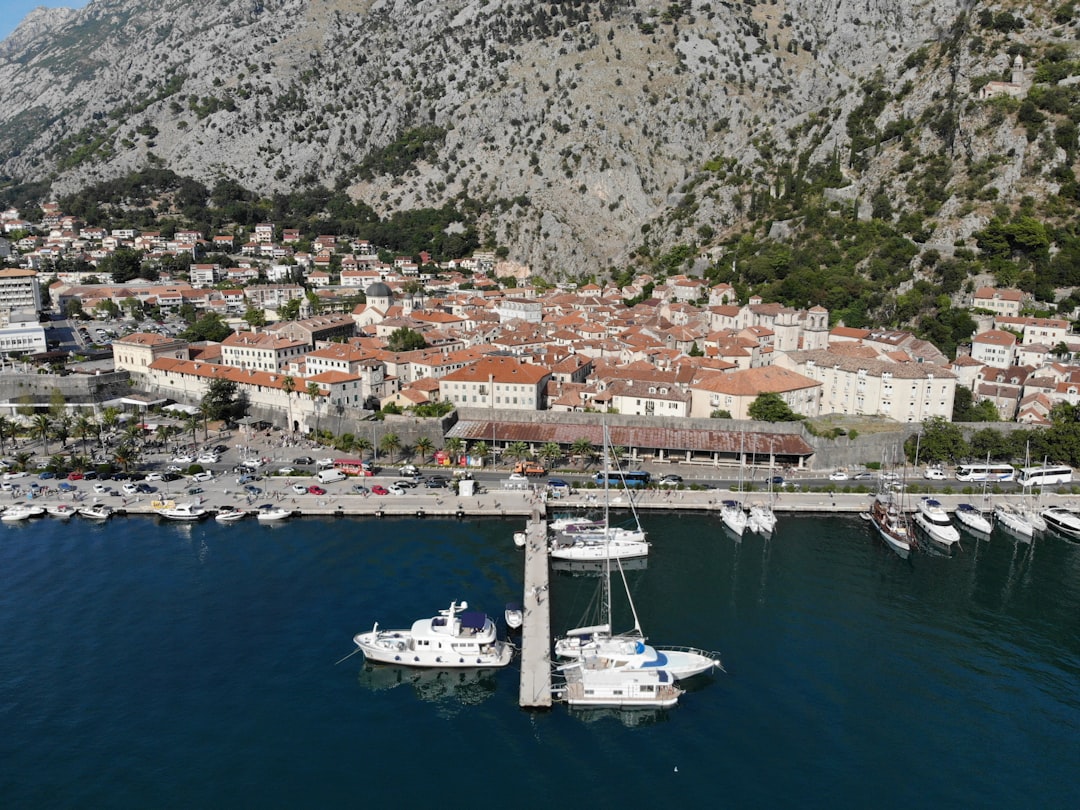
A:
535, 689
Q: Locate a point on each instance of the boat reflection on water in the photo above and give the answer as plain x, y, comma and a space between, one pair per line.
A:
578, 568
465, 687
631, 718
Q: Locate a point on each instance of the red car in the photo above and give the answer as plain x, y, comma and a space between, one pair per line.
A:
75, 476
316, 490
378, 489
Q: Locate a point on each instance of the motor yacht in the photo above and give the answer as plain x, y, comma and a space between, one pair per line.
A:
97, 511
189, 512
61, 510
269, 514
457, 637
1063, 521
931, 517
230, 514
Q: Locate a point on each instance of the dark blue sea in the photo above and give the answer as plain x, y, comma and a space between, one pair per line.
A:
165, 666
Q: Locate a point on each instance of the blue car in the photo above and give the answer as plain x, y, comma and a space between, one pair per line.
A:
66, 487
45, 476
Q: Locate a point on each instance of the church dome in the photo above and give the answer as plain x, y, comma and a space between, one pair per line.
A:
379, 290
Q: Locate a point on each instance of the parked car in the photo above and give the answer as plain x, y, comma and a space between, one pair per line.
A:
303, 460
670, 480
436, 482
251, 489
45, 476
209, 458
395, 490
379, 489
154, 476
100, 489
360, 489
205, 475
286, 471
75, 476
183, 459
130, 488
247, 478
66, 487
316, 490
144, 489
194, 491
299, 489
404, 483
17, 474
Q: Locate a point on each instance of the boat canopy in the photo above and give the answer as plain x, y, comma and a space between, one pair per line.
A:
473, 620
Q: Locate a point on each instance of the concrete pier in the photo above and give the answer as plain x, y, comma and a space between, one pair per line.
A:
535, 688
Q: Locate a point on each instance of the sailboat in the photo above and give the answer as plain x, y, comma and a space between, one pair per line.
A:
971, 516
599, 540
595, 649
762, 519
1020, 519
731, 510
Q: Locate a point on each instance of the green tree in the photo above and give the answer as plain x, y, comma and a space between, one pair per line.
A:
584, 450
390, 443
209, 327
551, 452
424, 447
290, 310
938, 442
314, 392
288, 385
223, 400
41, 427
770, 407
255, 317
404, 339
6, 431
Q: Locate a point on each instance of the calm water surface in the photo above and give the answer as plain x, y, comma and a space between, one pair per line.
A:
147, 665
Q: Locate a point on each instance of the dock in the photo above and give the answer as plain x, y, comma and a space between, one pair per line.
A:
535, 688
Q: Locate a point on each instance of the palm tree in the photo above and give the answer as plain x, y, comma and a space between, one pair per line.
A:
81, 463
109, 419
479, 450
517, 451
84, 426
551, 452
454, 447
22, 459
424, 447
361, 445
191, 422
314, 391
583, 449
62, 429
126, 455
288, 385
6, 429
40, 427
58, 464
389, 444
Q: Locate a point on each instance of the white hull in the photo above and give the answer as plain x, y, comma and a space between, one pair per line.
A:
630, 652
734, 517
1063, 521
15, 514
452, 640
973, 519
891, 525
1014, 520
590, 550
611, 689
230, 516
761, 520
96, 512
63, 511
271, 515
935, 524
514, 618
184, 512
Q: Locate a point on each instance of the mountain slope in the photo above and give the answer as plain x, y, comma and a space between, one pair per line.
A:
585, 130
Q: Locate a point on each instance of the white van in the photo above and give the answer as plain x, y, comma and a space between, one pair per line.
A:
330, 476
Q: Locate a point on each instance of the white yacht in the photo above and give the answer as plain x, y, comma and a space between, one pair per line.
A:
734, 516
61, 510
268, 514
14, 514
1013, 519
514, 616
184, 511
931, 517
229, 514
455, 638
974, 519
96, 511
600, 687
1063, 521
620, 546
762, 519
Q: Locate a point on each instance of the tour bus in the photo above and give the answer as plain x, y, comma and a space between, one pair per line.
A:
353, 466
1045, 475
985, 472
634, 478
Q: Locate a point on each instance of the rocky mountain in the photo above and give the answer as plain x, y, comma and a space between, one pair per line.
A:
588, 132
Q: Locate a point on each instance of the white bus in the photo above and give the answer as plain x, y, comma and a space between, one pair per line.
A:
1045, 475
985, 472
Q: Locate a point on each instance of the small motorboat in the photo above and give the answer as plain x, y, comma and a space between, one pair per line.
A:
61, 510
514, 616
184, 511
269, 513
230, 514
1063, 521
97, 511
15, 514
